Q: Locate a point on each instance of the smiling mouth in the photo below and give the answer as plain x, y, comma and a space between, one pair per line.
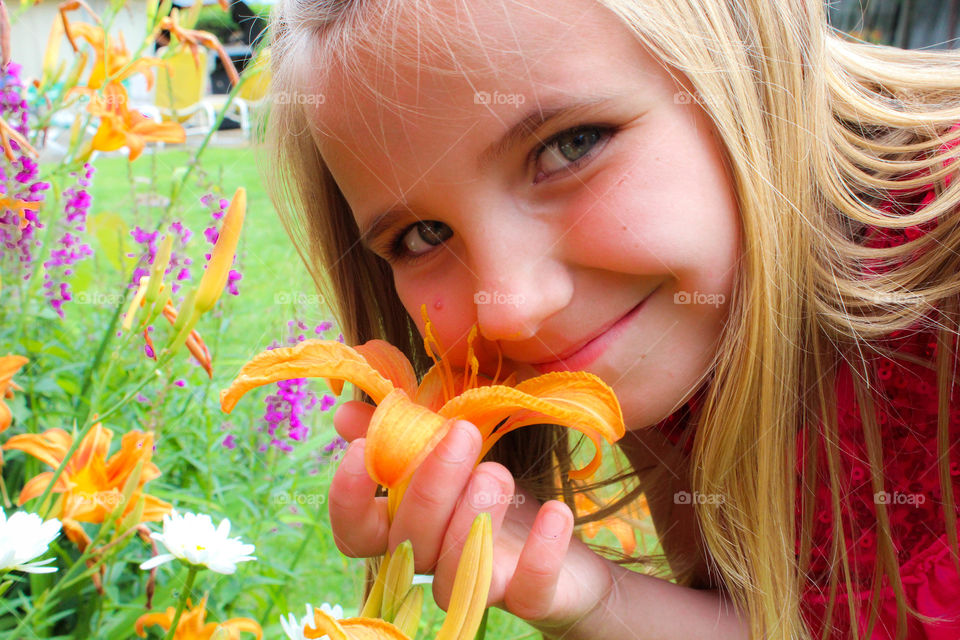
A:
616, 323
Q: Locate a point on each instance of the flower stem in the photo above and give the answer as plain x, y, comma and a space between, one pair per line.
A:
182, 602
482, 631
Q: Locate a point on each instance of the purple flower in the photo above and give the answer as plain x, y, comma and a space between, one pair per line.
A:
69, 249
18, 180
327, 401
286, 410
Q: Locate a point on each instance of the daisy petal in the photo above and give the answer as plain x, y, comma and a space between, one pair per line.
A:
156, 561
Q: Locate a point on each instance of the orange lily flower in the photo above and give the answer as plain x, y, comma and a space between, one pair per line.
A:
411, 419
92, 486
9, 365
194, 39
123, 127
352, 628
191, 625
111, 55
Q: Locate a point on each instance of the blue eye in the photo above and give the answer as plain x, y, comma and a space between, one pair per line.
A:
568, 149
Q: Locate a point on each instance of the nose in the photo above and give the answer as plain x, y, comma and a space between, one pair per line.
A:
520, 282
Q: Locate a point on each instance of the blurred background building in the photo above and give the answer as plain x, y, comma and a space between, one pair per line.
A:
909, 24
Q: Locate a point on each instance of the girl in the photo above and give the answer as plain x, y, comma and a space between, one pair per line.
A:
739, 219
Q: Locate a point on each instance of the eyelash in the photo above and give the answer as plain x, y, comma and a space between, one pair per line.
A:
397, 252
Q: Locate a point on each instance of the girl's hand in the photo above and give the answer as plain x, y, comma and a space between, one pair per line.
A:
540, 573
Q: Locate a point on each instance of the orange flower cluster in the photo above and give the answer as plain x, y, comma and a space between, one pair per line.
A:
91, 485
119, 126
9, 365
192, 626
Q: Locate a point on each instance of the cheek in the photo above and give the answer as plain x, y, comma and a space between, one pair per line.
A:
647, 215
448, 303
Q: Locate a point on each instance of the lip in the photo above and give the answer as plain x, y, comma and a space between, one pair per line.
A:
594, 347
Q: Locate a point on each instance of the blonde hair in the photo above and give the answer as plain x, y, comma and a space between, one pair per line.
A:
818, 131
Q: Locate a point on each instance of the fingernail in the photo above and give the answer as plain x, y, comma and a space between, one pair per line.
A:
552, 524
456, 446
484, 491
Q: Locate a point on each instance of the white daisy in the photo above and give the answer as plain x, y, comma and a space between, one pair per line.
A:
294, 629
24, 537
193, 538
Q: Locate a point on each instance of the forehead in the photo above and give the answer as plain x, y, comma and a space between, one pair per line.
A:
419, 90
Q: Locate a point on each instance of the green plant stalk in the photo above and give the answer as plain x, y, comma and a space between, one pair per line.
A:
3, 492
208, 423
27, 290
482, 631
182, 602
206, 139
97, 358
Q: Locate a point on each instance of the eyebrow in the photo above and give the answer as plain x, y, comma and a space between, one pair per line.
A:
517, 133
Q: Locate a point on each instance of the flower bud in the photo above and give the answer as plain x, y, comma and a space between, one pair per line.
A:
218, 269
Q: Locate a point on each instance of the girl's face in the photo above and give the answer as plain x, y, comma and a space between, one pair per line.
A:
543, 189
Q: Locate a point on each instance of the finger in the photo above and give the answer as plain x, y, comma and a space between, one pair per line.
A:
530, 592
358, 516
352, 418
491, 489
431, 497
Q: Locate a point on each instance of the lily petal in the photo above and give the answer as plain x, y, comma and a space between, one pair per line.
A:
94, 446
352, 628
162, 620
235, 625
9, 365
37, 485
574, 399
49, 446
400, 435
390, 363
310, 358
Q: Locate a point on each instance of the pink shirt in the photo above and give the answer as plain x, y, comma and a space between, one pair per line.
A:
907, 414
